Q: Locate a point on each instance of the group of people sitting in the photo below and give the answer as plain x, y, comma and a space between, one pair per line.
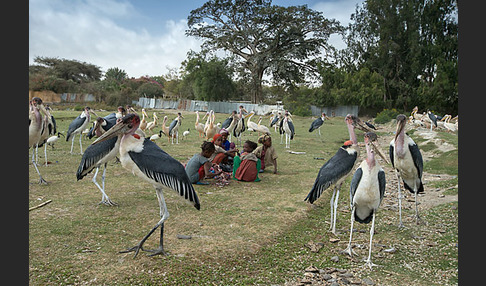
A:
219, 157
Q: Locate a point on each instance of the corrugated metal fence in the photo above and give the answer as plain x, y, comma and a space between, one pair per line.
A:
228, 107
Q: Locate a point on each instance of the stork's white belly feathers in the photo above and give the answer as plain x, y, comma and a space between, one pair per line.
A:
131, 143
367, 195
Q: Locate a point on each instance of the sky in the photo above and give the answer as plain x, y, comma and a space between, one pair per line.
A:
144, 37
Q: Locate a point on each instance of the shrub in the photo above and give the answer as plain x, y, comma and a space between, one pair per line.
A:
386, 115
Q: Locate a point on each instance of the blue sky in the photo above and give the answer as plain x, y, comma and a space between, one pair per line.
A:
144, 37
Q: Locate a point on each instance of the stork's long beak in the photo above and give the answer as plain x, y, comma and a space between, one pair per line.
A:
400, 126
359, 124
92, 111
119, 128
372, 137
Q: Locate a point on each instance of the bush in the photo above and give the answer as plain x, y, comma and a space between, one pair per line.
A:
386, 115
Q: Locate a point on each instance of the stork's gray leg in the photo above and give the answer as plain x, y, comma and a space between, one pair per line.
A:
418, 220
335, 210
72, 143
400, 223
104, 198
164, 215
41, 180
80, 144
45, 152
372, 231
332, 206
349, 249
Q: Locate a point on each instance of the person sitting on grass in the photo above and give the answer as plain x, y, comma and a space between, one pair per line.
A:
246, 166
198, 167
266, 153
221, 155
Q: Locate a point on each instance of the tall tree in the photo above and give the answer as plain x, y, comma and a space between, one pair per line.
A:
406, 42
210, 79
284, 41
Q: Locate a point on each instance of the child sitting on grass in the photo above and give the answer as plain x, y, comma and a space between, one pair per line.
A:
198, 167
245, 168
266, 153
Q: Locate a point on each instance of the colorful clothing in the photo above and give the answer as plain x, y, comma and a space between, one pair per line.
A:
246, 168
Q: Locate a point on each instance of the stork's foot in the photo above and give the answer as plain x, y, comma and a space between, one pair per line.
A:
158, 251
42, 181
135, 249
107, 202
349, 251
370, 264
418, 220
401, 225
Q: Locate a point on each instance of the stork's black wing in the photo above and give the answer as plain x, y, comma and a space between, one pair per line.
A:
316, 124
417, 158
93, 154
337, 167
354, 184
172, 125
392, 156
156, 164
227, 122
274, 121
75, 124
381, 183
292, 129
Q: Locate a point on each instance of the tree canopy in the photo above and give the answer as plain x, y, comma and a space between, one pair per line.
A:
284, 41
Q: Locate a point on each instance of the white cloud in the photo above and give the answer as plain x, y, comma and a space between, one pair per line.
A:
88, 31
339, 10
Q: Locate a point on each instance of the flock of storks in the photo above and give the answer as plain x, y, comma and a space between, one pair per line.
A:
119, 135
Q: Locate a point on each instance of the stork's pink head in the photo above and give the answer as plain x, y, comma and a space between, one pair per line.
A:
128, 124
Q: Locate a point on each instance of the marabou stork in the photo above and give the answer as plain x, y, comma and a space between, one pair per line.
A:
146, 160
287, 128
276, 120
35, 129
407, 160
101, 125
433, 119
240, 125
316, 124
230, 123
49, 129
337, 169
366, 193
95, 156
78, 125
174, 128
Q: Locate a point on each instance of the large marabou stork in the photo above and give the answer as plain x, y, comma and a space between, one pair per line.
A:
337, 169
35, 129
407, 160
174, 128
366, 193
240, 125
276, 119
287, 128
96, 156
101, 125
146, 160
78, 125
230, 123
316, 124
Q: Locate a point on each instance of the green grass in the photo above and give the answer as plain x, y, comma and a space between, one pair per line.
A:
244, 234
